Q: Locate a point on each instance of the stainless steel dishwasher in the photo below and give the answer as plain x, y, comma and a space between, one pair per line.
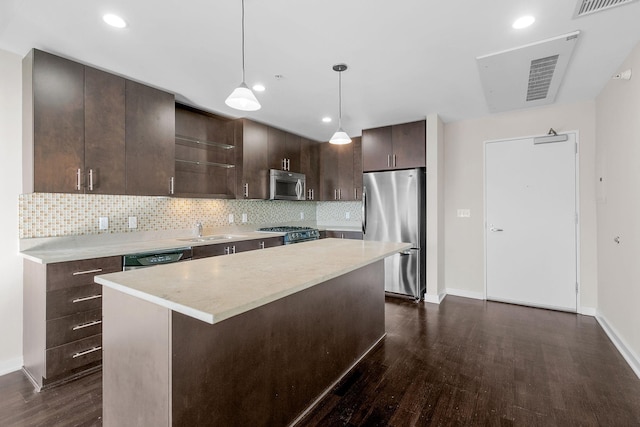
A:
149, 259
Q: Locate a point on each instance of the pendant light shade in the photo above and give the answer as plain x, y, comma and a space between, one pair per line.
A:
242, 98
340, 137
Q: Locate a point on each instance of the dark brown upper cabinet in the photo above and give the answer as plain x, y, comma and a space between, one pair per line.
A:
310, 167
205, 155
400, 146
53, 124
150, 141
252, 166
104, 132
341, 172
284, 150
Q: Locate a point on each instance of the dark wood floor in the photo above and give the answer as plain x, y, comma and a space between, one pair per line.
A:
464, 362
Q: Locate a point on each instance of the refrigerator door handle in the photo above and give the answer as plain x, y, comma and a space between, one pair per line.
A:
405, 252
364, 210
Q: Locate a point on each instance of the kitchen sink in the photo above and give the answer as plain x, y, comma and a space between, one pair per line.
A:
212, 238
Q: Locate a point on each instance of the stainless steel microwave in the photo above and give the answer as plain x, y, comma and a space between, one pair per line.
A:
286, 185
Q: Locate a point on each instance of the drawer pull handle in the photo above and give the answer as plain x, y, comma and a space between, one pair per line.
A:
79, 273
86, 298
84, 353
86, 325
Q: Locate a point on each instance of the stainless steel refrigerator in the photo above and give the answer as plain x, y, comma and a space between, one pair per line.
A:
394, 210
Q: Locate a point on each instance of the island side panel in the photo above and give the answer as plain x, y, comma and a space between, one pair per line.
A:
266, 366
136, 362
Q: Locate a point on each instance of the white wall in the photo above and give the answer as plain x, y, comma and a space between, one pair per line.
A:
435, 210
10, 177
464, 189
618, 160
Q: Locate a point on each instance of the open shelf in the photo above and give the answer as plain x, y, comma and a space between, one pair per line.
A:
185, 139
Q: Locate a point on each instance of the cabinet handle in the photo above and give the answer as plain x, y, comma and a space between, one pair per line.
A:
339, 193
335, 194
86, 325
261, 245
313, 194
289, 164
355, 193
80, 273
388, 160
283, 162
90, 179
233, 249
86, 298
84, 353
226, 250
172, 184
79, 179
246, 190
394, 160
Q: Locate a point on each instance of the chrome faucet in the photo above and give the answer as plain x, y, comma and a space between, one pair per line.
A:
199, 228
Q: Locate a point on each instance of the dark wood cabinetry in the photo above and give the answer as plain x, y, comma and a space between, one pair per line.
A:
89, 131
341, 173
252, 171
284, 150
150, 140
354, 235
310, 167
104, 132
63, 318
400, 146
205, 155
236, 247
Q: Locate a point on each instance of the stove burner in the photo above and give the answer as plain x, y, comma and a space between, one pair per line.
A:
284, 229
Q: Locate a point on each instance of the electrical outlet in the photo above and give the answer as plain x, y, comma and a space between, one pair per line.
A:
230, 218
464, 213
347, 215
133, 222
301, 215
103, 223
244, 217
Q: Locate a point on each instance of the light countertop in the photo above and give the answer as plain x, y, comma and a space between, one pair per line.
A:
214, 289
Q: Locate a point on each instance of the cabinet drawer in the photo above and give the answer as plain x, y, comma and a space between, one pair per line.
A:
72, 328
74, 355
61, 275
65, 302
209, 250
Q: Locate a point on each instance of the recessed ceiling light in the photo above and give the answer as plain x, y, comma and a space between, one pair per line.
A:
523, 22
326, 119
114, 20
258, 87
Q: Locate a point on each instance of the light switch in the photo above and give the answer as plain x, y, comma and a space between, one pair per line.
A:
103, 223
230, 218
464, 213
133, 222
244, 217
347, 215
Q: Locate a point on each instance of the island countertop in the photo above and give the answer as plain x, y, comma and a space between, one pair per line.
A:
214, 289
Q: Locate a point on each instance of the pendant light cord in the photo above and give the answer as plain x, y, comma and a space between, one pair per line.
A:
339, 99
243, 78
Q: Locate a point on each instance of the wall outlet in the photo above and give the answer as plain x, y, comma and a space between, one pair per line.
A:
133, 222
301, 215
347, 215
244, 217
230, 218
464, 213
103, 223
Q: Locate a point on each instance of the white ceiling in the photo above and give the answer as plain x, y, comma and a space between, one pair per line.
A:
406, 58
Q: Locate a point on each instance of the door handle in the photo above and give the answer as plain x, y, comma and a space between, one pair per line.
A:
493, 229
364, 210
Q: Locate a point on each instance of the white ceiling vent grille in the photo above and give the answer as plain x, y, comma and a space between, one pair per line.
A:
540, 76
526, 76
587, 7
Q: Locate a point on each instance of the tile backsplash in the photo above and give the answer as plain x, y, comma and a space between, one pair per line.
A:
52, 215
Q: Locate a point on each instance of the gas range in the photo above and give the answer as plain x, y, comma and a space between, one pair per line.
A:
293, 234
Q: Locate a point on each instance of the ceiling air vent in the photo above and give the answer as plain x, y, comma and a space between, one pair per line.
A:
587, 7
540, 76
526, 76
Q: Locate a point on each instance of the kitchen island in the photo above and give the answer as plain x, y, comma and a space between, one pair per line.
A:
249, 339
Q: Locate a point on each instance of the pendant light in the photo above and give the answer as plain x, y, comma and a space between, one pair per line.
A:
340, 137
242, 98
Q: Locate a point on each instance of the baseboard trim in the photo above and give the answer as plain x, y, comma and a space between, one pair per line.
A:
588, 311
465, 294
11, 365
632, 359
434, 299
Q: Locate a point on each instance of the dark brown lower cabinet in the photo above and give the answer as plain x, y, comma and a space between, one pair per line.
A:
235, 247
63, 319
355, 235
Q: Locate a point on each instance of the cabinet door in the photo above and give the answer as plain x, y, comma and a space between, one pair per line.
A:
345, 178
150, 140
292, 151
329, 172
357, 168
376, 149
208, 251
310, 167
55, 86
409, 144
252, 143
104, 132
277, 148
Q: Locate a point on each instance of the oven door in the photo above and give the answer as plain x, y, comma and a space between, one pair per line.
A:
286, 185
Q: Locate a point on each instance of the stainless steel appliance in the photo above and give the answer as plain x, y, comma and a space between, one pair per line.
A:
394, 210
286, 185
149, 259
293, 234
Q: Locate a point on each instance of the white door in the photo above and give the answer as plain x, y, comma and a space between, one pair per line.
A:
531, 222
